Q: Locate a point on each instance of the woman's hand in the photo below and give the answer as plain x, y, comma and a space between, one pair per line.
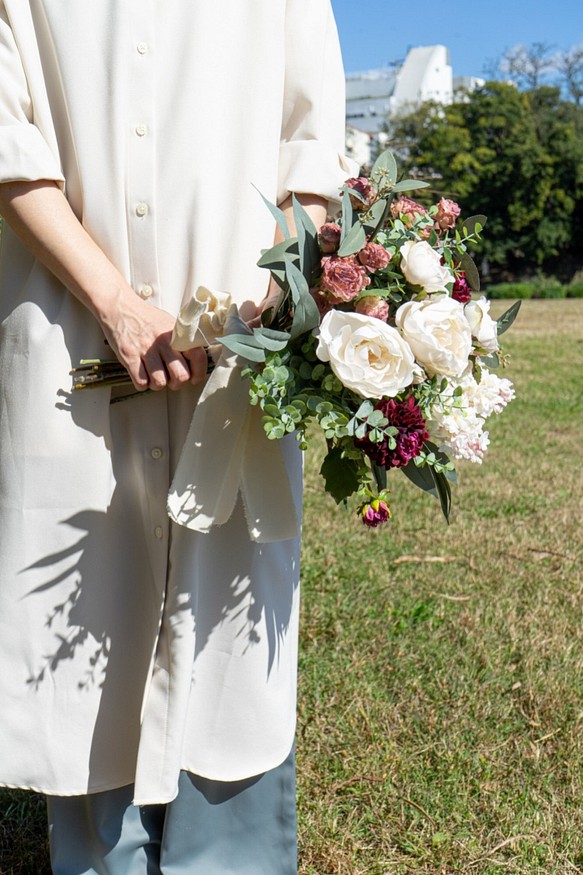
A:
138, 333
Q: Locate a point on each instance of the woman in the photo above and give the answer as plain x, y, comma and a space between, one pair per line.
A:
143, 662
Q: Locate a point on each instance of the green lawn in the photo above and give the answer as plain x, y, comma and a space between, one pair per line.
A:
441, 702
441, 672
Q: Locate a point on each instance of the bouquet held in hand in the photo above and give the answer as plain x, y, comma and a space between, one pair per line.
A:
377, 340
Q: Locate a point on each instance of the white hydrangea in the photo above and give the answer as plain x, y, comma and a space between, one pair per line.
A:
459, 432
459, 424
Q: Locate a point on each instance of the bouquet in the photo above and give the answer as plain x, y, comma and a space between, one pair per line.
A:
377, 339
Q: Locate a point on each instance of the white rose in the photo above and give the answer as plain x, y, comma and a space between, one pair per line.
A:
438, 332
367, 355
421, 265
484, 328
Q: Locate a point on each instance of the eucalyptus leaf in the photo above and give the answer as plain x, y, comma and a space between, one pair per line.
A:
490, 361
444, 459
277, 214
506, 319
270, 339
306, 314
277, 254
347, 215
469, 224
308, 248
375, 216
468, 266
410, 185
385, 167
353, 242
245, 345
340, 475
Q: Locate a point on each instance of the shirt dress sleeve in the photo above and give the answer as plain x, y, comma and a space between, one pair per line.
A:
24, 152
312, 156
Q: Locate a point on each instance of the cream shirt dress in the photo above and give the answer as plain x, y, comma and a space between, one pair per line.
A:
130, 647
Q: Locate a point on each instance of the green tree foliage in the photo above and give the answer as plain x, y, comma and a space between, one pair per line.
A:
515, 156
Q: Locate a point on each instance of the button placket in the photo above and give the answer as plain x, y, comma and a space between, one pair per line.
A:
141, 215
140, 198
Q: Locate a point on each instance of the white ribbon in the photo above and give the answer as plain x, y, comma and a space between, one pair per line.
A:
227, 453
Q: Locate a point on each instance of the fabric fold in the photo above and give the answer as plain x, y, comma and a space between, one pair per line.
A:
226, 452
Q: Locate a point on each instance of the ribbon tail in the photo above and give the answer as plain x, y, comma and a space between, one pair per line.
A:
265, 487
206, 482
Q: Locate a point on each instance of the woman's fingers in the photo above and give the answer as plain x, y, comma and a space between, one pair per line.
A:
198, 362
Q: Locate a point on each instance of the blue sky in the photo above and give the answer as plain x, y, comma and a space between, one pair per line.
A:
375, 32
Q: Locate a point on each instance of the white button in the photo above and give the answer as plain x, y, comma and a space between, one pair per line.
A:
159, 532
142, 48
141, 130
141, 209
146, 291
157, 453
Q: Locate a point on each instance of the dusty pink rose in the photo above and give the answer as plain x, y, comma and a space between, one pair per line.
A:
373, 305
343, 278
323, 300
447, 214
374, 257
461, 290
407, 210
361, 185
329, 237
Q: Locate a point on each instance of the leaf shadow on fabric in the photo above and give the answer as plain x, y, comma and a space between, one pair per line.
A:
221, 587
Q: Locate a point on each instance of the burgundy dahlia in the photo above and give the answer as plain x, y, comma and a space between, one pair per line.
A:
461, 289
406, 416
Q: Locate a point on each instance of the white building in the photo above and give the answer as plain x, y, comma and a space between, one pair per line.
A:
375, 95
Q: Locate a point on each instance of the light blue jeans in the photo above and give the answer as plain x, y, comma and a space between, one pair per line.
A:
211, 828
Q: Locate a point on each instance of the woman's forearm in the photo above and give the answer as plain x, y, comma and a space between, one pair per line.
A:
41, 216
138, 333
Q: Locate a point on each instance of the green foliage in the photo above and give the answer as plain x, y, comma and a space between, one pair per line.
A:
549, 289
515, 156
510, 291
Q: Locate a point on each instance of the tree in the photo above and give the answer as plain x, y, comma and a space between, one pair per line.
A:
515, 156
528, 65
570, 65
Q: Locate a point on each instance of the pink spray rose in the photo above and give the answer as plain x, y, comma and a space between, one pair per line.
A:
361, 185
407, 210
329, 237
375, 513
373, 305
343, 278
447, 214
374, 257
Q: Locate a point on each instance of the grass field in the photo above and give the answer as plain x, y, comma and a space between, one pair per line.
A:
441, 674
